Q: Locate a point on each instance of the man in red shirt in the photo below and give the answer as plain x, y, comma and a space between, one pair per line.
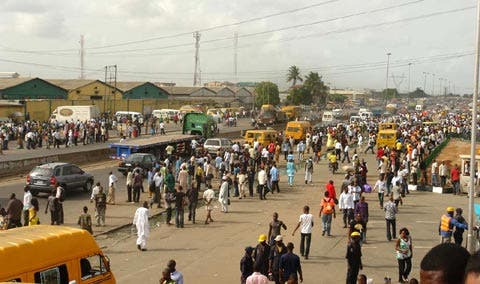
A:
331, 190
455, 178
380, 153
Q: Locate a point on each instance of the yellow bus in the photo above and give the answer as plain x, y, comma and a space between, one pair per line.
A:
387, 126
297, 129
387, 138
264, 137
52, 254
292, 112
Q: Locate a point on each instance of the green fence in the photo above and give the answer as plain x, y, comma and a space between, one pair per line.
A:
436, 151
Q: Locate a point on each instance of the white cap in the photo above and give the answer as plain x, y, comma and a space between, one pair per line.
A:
278, 238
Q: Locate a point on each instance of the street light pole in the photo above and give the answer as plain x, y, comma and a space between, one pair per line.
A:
471, 192
408, 98
386, 79
425, 81
433, 84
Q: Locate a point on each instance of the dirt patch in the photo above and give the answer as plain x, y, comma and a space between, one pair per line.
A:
450, 154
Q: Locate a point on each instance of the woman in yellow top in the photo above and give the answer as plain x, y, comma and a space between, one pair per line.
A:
33, 213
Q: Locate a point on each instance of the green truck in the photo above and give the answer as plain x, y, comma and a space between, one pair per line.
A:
199, 124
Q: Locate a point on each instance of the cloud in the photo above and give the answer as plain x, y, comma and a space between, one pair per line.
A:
46, 25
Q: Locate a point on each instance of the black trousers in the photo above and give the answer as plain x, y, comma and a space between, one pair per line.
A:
347, 216
192, 209
404, 268
25, 217
275, 186
305, 240
136, 194
352, 274
60, 213
261, 191
129, 193
391, 224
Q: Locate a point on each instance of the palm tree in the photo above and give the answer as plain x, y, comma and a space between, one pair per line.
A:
293, 75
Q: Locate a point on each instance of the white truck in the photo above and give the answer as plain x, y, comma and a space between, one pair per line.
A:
74, 113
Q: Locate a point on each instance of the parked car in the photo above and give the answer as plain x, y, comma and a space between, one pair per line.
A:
44, 177
213, 144
144, 161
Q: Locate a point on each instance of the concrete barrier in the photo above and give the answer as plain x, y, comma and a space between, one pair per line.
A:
19, 167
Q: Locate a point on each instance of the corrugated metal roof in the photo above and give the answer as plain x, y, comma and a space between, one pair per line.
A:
127, 86
11, 82
181, 90
70, 84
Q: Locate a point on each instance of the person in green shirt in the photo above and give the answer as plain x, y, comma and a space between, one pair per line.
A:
85, 220
169, 195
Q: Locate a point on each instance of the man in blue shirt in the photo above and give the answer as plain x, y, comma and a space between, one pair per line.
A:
290, 265
275, 176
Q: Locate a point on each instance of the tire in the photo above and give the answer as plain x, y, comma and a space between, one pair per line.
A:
88, 186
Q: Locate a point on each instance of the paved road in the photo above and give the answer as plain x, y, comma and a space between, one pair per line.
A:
211, 253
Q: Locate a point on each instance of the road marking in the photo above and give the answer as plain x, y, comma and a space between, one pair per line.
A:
427, 222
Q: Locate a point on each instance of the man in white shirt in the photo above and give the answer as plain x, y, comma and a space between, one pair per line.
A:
112, 180
345, 204
434, 173
442, 172
262, 182
208, 197
27, 204
305, 223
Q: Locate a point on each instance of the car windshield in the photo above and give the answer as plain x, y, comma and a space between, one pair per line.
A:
134, 158
42, 171
212, 143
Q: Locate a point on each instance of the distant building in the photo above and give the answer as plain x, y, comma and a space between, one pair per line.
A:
350, 94
219, 84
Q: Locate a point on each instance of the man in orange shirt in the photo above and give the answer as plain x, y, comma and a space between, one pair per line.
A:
455, 178
327, 208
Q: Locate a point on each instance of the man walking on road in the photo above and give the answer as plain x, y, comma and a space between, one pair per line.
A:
308, 171
275, 228
275, 177
246, 265
455, 178
261, 254
140, 221
27, 199
100, 207
390, 212
354, 258
290, 266
223, 194
345, 203
14, 212
208, 197
306, 224
327, 208
277, 250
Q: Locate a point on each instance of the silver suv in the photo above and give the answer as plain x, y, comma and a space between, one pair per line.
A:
213, 144
43, 178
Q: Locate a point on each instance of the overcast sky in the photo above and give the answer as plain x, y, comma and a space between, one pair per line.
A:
347, 47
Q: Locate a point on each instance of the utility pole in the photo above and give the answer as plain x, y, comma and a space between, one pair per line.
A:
433, 84
196, 36
111, 79
82, 57
386, 79
441, 80
408, 97
471, 192
425, 82
235, 51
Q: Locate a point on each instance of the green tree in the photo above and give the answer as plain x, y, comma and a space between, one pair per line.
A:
338, 98
317, 88
389, 94
266, 93
299, 96
293, 75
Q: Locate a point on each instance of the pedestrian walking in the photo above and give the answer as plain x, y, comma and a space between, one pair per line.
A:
290, 267
458, 233
112, 180
380, 186
100, 207
137, 185
33, 218
275, 177
404, 251
277, 250
14, 212
362, 209
455, 178
111, 194
357, 225
192, 195
208, 197
327, 210
246, 265
180, 202
274, 228
129, 184
308, 171
262, 182
170, 195
223, 194
52, 206
85, 220
291, 170
346, 205
390, 218
442, 172
354, 258
261, 254
27, 198
60, 196
140, 221
305, 223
